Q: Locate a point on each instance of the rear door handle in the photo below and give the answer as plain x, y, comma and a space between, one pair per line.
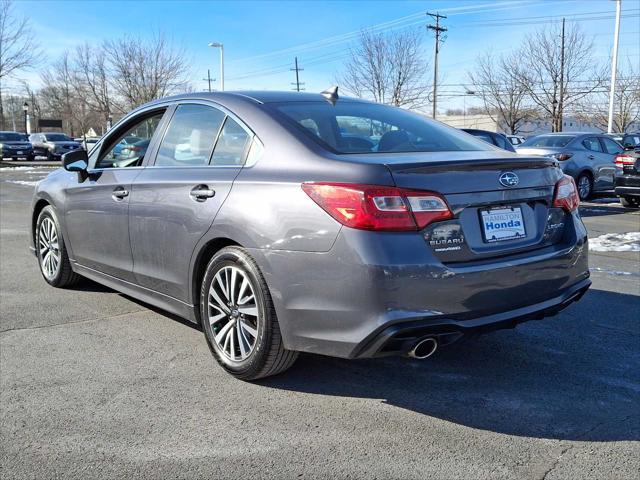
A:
119, 193
201, 193
591, 157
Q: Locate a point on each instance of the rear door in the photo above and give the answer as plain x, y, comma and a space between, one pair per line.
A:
97, 207
598, 161
175, 200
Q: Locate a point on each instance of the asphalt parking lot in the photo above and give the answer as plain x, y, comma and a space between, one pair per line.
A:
96, 384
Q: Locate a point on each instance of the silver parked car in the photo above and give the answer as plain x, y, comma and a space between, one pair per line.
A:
52, 145
286, 222
587, 157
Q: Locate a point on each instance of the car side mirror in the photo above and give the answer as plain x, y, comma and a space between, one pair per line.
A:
76, 161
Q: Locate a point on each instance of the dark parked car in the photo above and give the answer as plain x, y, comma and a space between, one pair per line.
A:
627, 179
497, 139
250, 214
587, 157
631, 140
52, 145
15, 145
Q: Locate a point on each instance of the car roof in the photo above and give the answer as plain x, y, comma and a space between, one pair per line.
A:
256, 96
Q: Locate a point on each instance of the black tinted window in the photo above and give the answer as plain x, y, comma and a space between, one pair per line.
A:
190, 136
354, 127
57, 137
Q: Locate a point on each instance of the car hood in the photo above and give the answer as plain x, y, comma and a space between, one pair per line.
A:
65, 143
21, 143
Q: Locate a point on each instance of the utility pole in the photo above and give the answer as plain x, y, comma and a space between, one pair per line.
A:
208, 79
297, 83
438, 32
561, 101
614, 66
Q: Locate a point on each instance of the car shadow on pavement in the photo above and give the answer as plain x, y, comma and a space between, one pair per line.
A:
571, 377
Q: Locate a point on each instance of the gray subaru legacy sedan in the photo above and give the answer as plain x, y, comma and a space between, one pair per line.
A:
286, 222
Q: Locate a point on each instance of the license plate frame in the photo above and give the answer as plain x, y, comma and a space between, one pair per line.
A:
510, 220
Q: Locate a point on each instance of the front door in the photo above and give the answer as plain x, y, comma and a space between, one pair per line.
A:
175, 201
97, 207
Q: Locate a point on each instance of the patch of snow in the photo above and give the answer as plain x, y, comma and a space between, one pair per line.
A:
618, 273
23, 182
13, 169
616, 242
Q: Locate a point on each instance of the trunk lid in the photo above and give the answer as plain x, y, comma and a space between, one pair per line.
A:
502, 203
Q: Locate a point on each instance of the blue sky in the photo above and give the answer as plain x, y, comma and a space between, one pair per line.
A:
261, 37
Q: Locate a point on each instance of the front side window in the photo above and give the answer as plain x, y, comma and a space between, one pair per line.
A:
359, 127
592, 144
190, 136
231, 146
120, 155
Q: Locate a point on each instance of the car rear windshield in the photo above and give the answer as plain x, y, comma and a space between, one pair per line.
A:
57, 137
359, 127
549, 141
11, 137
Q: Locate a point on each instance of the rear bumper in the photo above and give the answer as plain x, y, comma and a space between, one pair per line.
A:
340, 302
400, 338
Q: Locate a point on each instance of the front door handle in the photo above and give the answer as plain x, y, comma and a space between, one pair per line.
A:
201, 192
119, 193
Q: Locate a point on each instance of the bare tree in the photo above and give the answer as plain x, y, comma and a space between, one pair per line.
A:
626, 102
18, 50
556, 78
144, 70
505, 97
91, 71
388, 68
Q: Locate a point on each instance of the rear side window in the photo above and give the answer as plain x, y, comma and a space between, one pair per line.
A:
592, 144
231, 146
610, 146
190, 136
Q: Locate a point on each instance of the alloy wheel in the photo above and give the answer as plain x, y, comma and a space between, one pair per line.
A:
49, 248
233, 313
584, 187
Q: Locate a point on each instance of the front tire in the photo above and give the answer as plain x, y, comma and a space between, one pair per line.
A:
630, 202
585, 186
51, 251
238, 317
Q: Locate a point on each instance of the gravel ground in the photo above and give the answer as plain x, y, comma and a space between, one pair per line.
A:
96, 384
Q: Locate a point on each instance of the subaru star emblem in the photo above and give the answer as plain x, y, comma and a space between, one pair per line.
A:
509, 179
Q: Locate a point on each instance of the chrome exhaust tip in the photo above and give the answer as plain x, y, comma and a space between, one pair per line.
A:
424, 348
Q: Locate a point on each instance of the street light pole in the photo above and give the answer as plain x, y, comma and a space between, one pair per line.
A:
614, 67
221, 47
25, 109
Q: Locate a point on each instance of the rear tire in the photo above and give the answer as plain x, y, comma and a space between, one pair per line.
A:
630, 202
584, 182
238, 317
51, 251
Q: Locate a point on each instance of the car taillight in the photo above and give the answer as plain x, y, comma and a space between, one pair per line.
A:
622, 159
566, 195
562, 156
373, 207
